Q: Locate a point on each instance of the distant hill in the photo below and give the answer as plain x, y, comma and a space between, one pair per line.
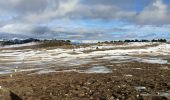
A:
17, 41
32, 43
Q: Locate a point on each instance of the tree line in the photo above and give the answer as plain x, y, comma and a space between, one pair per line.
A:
136, 40
68, 42
29, 40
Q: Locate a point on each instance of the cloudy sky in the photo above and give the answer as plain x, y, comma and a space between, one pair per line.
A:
85, 19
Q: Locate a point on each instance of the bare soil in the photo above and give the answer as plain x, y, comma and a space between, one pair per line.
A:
128, 81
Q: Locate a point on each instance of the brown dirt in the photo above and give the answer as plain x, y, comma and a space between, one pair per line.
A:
81, 86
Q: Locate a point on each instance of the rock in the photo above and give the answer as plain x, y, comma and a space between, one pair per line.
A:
168, 83
159, 98
154, 98
81, 94
5, 94
111, 98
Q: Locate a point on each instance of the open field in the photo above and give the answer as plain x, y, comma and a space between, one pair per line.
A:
133, 71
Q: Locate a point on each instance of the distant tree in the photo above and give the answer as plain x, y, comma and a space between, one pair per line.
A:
120, 41
68, 41
132, 40
136, 40
111, 41
127, 41
30, 40
106, 42
162, 40
144, 40
154, 40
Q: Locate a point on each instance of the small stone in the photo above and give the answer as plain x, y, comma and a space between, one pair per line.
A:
137, 95
11, 75
51, 94
81, 94
111, 98
5, 95
157, 93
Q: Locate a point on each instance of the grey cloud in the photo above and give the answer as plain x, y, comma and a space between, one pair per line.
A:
27, 30
101, 12
27, 16
23, 6
42, 11
40, 30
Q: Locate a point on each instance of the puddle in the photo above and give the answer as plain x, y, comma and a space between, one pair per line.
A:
140, 88
137, 68
122, 59
162, 94
65, 71
128, 75
95, 69
165, 94
76, 62
31, 69
155, 61
45, 71
98, 69
5, 72
143, 91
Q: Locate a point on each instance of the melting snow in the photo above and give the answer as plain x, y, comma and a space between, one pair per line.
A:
66, 57
5, 72
140, 88
98, 69
45, 71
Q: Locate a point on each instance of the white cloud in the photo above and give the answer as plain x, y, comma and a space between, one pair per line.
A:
16, 28
64, 7
154, 14
39, 11
22, 6
33, 16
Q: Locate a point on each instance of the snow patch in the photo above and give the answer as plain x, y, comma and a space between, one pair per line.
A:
98, 69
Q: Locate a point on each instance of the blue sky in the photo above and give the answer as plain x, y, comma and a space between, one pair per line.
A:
85, 19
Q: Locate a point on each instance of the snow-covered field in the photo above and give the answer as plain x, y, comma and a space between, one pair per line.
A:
44, 59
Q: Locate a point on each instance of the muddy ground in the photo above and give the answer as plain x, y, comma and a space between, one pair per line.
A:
128, 81
86, 74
